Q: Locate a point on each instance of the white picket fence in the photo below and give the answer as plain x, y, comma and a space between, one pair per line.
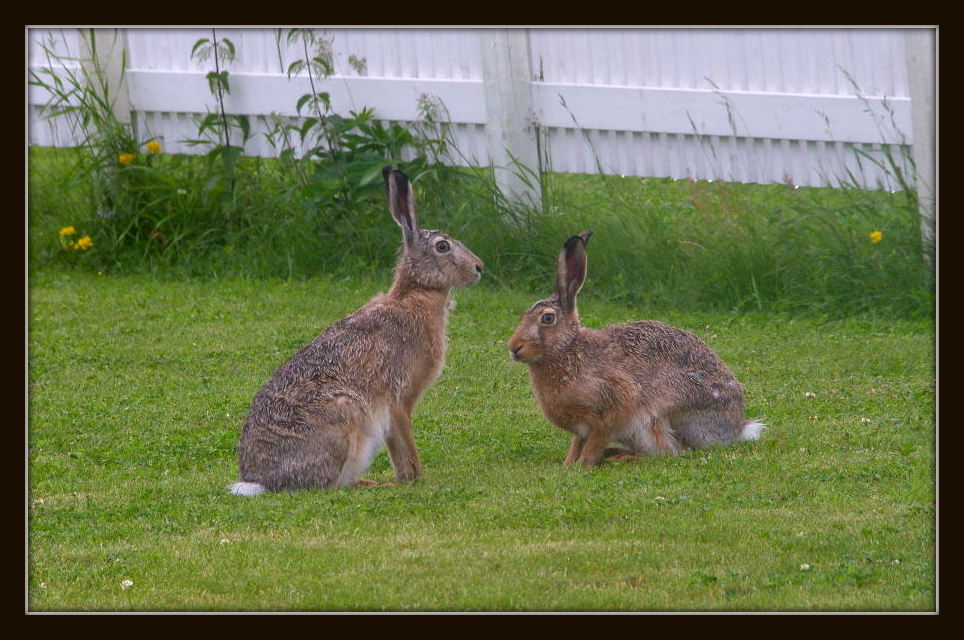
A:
803, 106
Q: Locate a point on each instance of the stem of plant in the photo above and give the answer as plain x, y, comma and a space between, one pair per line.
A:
224, 117
321, 118
314, 95
217, 70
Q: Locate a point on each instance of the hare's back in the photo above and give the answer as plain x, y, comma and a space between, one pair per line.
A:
356, 357
674, 371
663, 346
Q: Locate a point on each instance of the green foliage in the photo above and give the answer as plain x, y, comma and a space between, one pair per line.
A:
319, 208
700, 245
659, 243
337, 159
112, 178
161, 212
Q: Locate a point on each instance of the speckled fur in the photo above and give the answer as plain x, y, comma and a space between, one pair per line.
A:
648, 386
326, 411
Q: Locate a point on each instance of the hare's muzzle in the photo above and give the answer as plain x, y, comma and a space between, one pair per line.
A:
475, 270
515, 349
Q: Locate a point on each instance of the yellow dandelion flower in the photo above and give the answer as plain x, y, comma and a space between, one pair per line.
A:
154, 146
68, 231
125, 158
876, 236
84, 243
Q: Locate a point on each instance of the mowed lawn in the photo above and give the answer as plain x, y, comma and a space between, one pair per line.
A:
138, 389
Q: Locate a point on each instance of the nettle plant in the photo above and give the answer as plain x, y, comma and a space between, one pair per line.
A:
215, 128
337, 159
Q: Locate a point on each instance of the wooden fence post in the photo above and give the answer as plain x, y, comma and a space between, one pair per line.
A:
105, 51
920, 52
509, 129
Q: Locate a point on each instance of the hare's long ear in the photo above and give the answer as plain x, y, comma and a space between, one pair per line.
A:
401, 202
571, 269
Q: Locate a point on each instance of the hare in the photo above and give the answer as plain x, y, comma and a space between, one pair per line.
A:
647, 386
319, 420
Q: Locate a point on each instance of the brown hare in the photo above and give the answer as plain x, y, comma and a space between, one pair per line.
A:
646, 386
319, 420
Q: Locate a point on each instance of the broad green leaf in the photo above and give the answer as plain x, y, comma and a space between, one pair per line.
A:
245, 125
306, 126
371, 175
198, 44
213, 81
295, 67
293, 35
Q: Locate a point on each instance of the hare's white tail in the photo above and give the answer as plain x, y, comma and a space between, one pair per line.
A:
752, 430
246, 489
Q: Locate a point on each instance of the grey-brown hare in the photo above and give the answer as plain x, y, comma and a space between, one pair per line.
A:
647, 386
319, 420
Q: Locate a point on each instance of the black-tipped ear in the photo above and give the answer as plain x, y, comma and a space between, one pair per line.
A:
401, 202
571, 269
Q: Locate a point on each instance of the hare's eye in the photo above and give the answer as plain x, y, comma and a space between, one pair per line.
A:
548, 318
442, 246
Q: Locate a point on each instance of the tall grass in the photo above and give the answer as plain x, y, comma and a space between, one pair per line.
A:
702, 245
659, 243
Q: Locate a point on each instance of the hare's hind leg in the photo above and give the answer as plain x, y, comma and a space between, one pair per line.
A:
313, 457
300, 453
334, 447
618, 454
700, 429
650, 434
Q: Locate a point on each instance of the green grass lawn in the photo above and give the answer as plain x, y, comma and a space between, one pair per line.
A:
138, 389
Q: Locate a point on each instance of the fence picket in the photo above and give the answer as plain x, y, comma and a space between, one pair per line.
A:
757, 105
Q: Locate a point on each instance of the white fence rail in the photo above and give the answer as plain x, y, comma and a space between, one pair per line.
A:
804, 106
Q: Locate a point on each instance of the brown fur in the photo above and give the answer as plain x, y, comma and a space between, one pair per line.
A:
649, 386
326, 411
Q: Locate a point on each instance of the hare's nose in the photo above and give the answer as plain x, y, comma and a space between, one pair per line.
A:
478, 267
